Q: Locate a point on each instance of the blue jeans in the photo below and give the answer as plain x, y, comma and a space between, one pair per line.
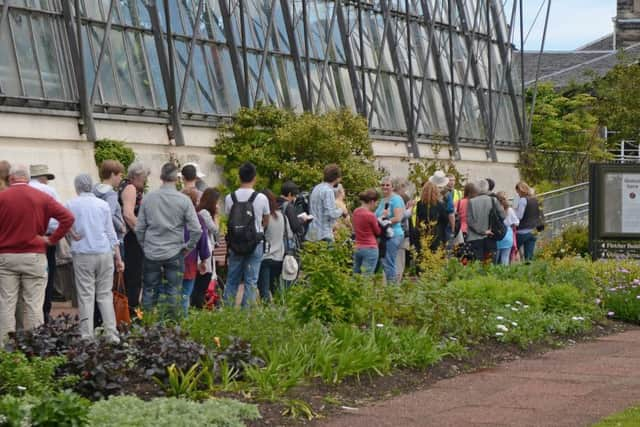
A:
187, 290
270, 271
243, 267
389, 260
528, 240
161, 283
365, 260
503, 256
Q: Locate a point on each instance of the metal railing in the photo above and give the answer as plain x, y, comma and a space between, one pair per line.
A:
563, 207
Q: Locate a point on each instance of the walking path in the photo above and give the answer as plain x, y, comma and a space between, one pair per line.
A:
576, 386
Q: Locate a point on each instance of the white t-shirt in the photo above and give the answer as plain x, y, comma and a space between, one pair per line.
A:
260, 205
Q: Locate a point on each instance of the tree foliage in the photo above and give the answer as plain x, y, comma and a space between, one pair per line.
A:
109, 149
618, 106
286, 146
564, 137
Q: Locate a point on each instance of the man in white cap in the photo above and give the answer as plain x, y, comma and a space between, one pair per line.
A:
40, 177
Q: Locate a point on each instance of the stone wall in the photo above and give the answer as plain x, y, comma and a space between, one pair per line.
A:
52, 140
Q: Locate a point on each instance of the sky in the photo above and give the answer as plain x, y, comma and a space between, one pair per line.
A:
572, 23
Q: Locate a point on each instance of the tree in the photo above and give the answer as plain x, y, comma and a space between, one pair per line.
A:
565, 137
618, 106
285, 146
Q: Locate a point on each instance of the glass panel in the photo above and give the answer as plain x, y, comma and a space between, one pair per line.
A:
48, 61
139, 69
9, 81
26, 55
155, 72
107, 81
121, 63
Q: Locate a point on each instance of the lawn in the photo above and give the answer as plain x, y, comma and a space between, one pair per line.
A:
628, 418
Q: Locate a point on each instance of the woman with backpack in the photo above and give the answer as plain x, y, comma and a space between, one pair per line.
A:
276, 238
531, 220
208, 210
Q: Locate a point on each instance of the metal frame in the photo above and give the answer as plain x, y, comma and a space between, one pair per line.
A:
426, 30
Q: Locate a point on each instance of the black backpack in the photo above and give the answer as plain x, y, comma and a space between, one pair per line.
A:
496, 224
242, 236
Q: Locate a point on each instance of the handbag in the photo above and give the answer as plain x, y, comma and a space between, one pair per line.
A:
120, 300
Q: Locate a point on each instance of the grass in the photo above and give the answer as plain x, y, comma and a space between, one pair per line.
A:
628, 418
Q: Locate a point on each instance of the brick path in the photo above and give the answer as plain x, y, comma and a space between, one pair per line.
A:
576, 386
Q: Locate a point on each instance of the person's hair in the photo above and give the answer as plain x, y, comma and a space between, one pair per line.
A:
399, 184
387, 180
189, 173
482, 185
331, 172
431, 194
289, 187
5, 167
523, 187
502, 198
273, 202
20, 171
192, 193
137, 169
209, 201
470, 190
491, 183
369, 195
83, 183
169, 172
247, 172
109, 168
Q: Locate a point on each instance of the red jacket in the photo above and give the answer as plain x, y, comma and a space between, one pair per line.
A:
24, 216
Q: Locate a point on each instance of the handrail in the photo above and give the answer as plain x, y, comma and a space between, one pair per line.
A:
564, 189
570, 208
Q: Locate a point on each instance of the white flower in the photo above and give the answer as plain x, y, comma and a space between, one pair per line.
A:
518, 302
637, 296
499, 334
578, 318
379, 325
21, 388
514, 323
514, 309
611, 314
499, 318
598, 301
507, 305
502, 328
525, 306
453, 338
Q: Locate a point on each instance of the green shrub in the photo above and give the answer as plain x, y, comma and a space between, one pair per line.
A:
20, 375
286, 146
109, 149
61, 409
574, 241
328, 291
170, 412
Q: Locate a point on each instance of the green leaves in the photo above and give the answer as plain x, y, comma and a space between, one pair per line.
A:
285, 146
109, 149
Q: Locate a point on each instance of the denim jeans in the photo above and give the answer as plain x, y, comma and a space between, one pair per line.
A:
187, 290
389, 260
162, 283
528, 241
243, 267
502, 256
365, 260
270, 271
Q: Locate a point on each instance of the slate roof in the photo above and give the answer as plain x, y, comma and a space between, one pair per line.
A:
564, 68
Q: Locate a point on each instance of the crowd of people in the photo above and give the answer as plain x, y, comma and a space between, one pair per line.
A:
162, 242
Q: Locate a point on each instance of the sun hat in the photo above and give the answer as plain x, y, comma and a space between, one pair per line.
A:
439, 179
289, 268
40, 170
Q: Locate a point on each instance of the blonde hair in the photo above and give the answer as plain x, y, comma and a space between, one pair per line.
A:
430, 194
523, 187
502, 198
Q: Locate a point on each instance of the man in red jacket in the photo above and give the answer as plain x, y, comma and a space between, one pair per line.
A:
24, 216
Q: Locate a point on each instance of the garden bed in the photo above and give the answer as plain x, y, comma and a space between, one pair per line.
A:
333, 341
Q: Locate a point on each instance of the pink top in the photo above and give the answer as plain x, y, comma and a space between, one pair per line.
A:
462, 207
366, 228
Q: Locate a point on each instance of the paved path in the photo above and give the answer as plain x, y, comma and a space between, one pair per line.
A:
576, 386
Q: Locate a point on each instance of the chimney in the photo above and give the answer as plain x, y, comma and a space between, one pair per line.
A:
627, 23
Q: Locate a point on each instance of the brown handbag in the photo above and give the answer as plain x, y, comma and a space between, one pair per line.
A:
120, 300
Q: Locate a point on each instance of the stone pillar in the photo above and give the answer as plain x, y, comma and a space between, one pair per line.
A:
627, 23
